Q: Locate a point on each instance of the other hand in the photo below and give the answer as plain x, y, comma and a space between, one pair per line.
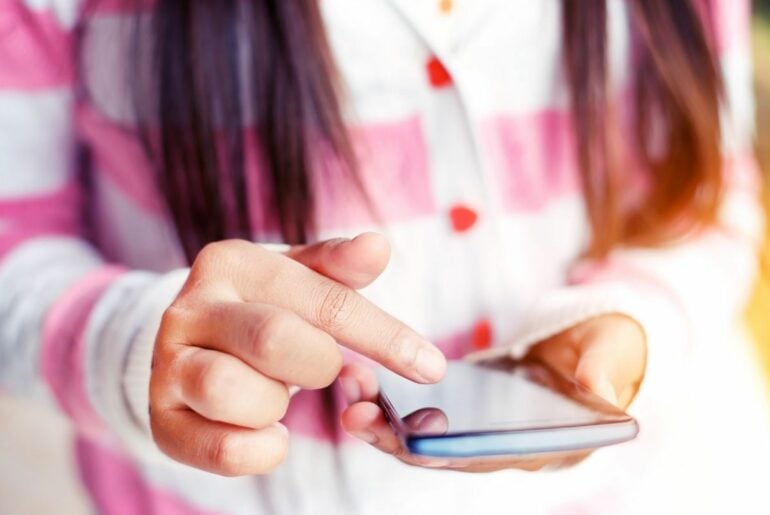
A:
607, 354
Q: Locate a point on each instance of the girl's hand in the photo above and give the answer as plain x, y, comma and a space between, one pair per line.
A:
249, 324
607, 354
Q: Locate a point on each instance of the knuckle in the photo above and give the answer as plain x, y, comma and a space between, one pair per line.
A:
211, 253
174, 317
172, 362
265, 336
210, 385
220, 253
335, 306
165, 371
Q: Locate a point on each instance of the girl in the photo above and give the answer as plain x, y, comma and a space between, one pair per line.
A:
563, 178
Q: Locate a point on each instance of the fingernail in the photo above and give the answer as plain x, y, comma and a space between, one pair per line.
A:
627, 396
430, 363
366, 436
351, 389
342, 241
294, 390
434, 421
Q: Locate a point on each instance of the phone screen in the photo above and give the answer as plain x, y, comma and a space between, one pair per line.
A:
505, 396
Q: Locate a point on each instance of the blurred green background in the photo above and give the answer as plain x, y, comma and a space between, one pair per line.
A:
759, 310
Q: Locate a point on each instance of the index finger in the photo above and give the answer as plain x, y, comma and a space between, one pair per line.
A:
345, 314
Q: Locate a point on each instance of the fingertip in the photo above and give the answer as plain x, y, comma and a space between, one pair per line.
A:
360, 417
282, 430
365, 257
366, 421
376, 244
597, 381
435, 422
221, 448
430, 363
350, 388
428, 421
606, 390
365, 379
278, 450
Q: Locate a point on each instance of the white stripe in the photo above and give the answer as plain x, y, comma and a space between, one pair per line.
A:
32, 277
738, 115
130, 235
434, 284
108, 64
36, 144
66, 11
205, 491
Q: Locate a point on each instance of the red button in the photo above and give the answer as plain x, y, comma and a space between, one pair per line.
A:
481, 336
437, 74
463, 218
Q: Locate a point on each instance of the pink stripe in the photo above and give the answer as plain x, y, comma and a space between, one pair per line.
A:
35, 51
117, 487
119, 156
111, 7
742, 173
55, 213
310, 415
532, 156
63, 351
457, 345
393, 168
732, 24
393, 163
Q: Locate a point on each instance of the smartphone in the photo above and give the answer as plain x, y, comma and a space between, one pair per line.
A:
497, 409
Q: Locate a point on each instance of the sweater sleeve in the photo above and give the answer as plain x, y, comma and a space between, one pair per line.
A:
692, 292
75, 330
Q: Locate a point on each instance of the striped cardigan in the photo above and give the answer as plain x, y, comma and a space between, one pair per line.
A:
460, 118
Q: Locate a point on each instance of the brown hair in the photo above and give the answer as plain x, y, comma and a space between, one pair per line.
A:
295, 105
677, 93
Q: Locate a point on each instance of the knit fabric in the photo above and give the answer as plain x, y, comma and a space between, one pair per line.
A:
459, 115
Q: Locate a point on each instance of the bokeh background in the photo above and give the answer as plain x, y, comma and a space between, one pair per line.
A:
758, 314
43, 486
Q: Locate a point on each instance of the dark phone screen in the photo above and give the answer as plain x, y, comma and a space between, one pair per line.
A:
505, 395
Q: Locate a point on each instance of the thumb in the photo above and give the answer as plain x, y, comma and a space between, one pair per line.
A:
592, 373
354, 263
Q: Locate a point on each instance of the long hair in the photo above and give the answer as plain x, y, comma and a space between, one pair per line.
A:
677, 92
294, 103
193, 108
